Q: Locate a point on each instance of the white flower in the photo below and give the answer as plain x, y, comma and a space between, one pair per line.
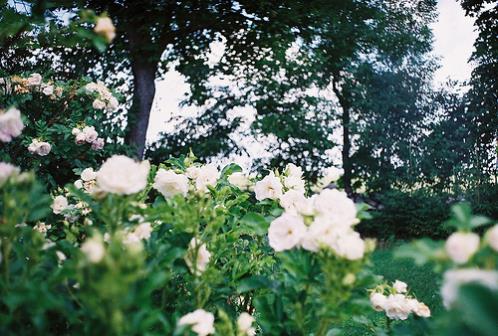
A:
122, 175
323, 233
207, 175
98, 144
75, 131
240, 180
78, 184
60, 256
94, 249
268, 187
294, 183
143, 231
200, 321
397, 307
90, 134
331, 174
400, 286
60, 204
244, 324
105, 28
453, 279
34, 79
291, 170
169, 183
6, 171
378, 301
492, 237
11, 124
98, 104
42, 228
197, 253
349, 246
39, 147
422, 310
295, 202
112, 104
192, 172
461, 246
286, 232
88, 174
337, 206
48, 89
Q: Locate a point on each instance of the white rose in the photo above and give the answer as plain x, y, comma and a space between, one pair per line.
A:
6, 171
397, 307
336, 205
269, 187
453, 279
492, 237
98, 104
143, 231
461, 246
98, 144
169, 183
192, 172
295, 202
422, 310
94, 249
44, 148
378, 301
11, 124
244, 324
323, 233
294, 183
122, 175
91, 87
75, 131
90, 134
207, 175
48, 90
292, 170
400, 286
34, 79
60, 204
200, 321
105, 28
78, 184
203, 256
80, 138
349, 246
88, 174
240, 180
286, 232
42, 228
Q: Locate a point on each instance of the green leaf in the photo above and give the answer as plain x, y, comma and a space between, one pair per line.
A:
254, 282
255, 222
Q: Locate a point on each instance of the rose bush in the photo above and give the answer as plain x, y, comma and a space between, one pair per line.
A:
57, 128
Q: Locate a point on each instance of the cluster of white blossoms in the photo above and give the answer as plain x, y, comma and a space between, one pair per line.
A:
398, 304
11, 124
197, 258
34, 83
203, 176
88, 134
87, 181
324, 220
105, 99
7, 170
200, 321
71, 212
38, 147
105, 28
42, 227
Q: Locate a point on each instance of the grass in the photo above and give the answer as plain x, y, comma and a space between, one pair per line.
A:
423, 283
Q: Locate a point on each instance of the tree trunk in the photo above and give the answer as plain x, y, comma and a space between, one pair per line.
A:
346, 138
144, 68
